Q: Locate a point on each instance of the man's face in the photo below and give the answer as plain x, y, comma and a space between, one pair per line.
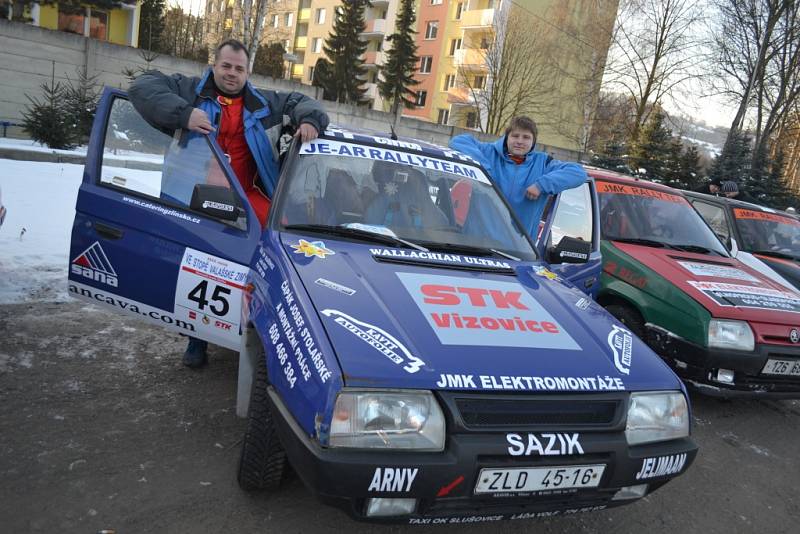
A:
230, 70
713, 188
520, 142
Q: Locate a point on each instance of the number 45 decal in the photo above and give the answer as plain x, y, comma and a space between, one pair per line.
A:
218, 297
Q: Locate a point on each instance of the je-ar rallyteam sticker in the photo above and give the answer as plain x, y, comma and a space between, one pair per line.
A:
467, 311
377, 338
749, 296
209, 295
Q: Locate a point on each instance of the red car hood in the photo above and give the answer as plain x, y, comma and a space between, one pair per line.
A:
726, 287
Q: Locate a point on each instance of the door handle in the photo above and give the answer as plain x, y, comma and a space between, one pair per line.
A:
107, 231
589, 282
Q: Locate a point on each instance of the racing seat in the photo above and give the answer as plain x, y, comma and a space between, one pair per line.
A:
342, 197
404, 201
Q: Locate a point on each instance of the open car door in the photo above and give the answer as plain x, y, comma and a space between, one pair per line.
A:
569, 239
162, 230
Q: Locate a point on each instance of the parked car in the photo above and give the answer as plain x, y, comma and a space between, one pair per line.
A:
726, 328
765, 239
402, 342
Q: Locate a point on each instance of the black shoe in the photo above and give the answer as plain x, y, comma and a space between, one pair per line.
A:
195, 355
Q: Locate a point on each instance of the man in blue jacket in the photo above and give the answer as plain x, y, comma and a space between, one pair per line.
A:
525, 177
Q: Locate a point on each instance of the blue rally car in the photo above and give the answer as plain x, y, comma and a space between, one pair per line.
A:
403, 344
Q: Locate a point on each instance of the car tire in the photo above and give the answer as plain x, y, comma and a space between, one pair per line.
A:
263, 460
629, 317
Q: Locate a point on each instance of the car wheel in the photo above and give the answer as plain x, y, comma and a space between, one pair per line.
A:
263, 460
629, 317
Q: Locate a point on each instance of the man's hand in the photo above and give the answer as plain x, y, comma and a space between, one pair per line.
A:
198, 122
532, 193
306, 132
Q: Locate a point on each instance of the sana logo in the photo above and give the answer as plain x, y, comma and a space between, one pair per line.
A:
93, 264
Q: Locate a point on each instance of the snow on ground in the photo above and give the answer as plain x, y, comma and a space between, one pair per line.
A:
34, 239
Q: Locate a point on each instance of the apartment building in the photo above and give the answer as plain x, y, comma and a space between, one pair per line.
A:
224, 17
119, 25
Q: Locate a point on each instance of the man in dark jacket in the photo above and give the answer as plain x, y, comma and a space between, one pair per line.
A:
731, 190
711, 188
245, 121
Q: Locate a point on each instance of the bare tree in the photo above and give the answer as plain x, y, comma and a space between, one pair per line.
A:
251, 25
511, 73
654, 52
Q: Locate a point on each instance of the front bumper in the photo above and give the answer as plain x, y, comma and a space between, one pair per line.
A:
698, 366
443, 482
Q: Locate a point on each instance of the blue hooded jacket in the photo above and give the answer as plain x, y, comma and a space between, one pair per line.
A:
550, 175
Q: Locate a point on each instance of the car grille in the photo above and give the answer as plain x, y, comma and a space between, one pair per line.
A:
491, 412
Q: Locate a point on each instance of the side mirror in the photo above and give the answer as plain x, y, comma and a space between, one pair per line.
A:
215, 200
570, 250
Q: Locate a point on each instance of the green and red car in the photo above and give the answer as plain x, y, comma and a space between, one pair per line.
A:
727, 329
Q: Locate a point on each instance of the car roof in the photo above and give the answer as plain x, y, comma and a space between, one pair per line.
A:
732, 202
613, 176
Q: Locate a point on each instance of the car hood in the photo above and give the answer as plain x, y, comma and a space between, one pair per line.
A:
398, 318
726, 287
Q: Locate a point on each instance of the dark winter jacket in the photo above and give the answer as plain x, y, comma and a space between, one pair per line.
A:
705, 187
166, 102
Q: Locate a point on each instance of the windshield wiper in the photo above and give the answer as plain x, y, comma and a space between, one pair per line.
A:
469, 249
644, 242
774, 254
343, 231
697, 248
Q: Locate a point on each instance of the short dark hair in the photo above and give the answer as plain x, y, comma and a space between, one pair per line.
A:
235, 44
523, 122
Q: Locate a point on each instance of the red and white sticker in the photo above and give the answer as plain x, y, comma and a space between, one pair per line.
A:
712, 270
209, 295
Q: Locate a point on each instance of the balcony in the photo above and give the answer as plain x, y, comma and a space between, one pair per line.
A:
297, 70
375, 28
477, 19
470, 58
372, 91
373, 59
304, 15
300, 43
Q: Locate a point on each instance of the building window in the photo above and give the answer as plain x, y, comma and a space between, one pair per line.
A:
459, 10
286, 44
444, 116
479, 82
289, 18
472, 120
421, 97
432, 29
320, 15
425, 63
484, 43
455, 44
436, 2
71, 19
311, 73
316, 45
449, 82
98, 25
274, 21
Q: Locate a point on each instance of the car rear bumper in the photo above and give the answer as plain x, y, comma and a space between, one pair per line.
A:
700, 366
443, 483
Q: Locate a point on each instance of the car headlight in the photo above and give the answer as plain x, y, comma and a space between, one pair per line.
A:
387, 420
659, 416
726, 334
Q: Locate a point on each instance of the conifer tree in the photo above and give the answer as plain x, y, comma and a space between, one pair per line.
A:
690, 167
612, 157
344, 49
401, 61
269, 60
82, 96
673, 176
49, 121
652, 149
151, 24
734, 162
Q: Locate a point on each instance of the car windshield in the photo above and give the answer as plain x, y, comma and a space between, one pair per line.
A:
653, 217
412, 199
768, 232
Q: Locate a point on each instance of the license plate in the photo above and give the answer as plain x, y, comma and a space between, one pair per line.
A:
782, 367
523, 479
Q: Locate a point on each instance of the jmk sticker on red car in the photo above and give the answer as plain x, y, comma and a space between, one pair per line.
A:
619, 189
